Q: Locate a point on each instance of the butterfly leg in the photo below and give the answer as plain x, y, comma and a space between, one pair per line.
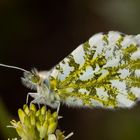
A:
27, 98
34, 95
38, 100
58, 107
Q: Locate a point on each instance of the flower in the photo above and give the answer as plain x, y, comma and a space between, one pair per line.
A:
38, 124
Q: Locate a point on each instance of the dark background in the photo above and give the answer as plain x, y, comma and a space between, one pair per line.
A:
40, 34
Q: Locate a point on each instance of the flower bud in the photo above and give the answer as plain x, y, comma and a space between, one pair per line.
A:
37, 124
21, 115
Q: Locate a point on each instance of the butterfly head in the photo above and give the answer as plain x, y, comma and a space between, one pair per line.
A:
32, 79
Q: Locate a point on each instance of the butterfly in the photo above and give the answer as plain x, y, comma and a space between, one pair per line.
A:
102, 72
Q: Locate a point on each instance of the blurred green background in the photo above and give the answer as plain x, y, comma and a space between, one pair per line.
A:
40, 34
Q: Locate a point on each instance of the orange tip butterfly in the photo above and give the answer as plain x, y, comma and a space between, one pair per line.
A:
102, 72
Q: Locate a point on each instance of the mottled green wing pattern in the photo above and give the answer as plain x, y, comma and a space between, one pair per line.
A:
102, 72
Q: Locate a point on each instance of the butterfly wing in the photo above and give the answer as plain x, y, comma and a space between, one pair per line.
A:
102, 72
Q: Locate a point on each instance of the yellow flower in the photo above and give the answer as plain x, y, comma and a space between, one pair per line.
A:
38, 124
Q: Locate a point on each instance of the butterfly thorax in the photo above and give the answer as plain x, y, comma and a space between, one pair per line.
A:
44, 92
47, 95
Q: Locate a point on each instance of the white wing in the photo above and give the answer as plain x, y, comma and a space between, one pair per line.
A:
103, 72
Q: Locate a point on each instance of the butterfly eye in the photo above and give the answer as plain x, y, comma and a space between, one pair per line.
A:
35, 78
30, 79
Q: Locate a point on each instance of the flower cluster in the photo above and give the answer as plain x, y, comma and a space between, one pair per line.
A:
38, 124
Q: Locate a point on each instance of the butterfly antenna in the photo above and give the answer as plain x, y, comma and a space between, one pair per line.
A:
13, 67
